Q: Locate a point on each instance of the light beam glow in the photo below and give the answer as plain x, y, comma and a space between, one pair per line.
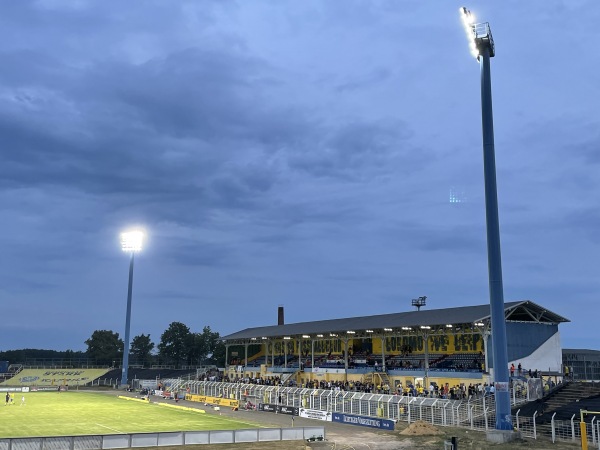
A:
131, 241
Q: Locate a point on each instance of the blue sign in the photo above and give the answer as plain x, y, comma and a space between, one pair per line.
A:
30, 379
363, 421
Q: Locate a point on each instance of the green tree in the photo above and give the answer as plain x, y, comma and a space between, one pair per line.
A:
218, 355
176, 343
104, 346
33, 356
141, 349
203, 345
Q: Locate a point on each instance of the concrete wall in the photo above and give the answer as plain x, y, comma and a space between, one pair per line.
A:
162, 439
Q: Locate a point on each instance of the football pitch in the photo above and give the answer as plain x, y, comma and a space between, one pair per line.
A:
80, 413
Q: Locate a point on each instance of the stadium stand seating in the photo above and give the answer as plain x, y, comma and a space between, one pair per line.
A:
54, 377
440, 361
565, 400
147, 374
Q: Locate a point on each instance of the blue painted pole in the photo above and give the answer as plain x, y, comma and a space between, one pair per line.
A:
127, 326
499, 346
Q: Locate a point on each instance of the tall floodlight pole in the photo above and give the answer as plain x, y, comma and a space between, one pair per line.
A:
131, 242
482, 47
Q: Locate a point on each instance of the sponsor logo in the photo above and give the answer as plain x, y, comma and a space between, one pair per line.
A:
278, 409
315, 414
267, 407
289, 410
363, 421
501, 386
63, 373
213, 400
28, 379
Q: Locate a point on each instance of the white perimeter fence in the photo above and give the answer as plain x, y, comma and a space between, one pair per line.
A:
477, 412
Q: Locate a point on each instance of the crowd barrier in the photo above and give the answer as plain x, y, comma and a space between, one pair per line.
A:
476, 413
109, 441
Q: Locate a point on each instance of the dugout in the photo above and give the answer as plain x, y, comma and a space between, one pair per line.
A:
445, 345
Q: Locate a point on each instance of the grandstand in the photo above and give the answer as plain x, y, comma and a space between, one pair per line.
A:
45, 378
53, 377
417, 347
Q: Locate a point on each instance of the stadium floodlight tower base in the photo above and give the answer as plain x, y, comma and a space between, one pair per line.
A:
503, 436
483, 48
131, 242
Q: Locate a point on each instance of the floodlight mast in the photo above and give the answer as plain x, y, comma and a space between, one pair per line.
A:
131, 242
482, 47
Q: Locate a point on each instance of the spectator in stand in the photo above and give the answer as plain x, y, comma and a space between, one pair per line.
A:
512, 370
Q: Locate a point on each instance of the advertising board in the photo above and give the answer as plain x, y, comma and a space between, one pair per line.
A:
218, 401
363, 421
279, 409
315, 414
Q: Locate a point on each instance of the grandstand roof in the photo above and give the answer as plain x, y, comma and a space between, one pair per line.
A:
520, 311
581, 351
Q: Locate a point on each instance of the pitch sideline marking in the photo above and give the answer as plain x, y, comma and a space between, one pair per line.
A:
111, 429
226, 419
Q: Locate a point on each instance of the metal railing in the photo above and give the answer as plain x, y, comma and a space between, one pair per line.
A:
477, 412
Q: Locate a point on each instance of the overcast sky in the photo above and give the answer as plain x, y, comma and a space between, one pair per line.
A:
303, 153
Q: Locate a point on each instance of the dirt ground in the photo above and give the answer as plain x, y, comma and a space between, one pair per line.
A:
349, 437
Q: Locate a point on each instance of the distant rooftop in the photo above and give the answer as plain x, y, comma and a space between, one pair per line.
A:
581, 351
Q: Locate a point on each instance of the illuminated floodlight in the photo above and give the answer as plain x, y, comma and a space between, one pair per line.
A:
332, 334
468, 20
369, 331
448, 326
481, 41
387, 329
305, 336
350, 332
425, 327
287, 338
252, 339
131, 241
478, 34
319, 335
264, 338
406, 328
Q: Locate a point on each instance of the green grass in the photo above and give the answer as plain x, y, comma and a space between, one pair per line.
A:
78, 413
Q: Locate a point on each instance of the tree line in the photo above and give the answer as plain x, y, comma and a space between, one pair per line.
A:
178, 346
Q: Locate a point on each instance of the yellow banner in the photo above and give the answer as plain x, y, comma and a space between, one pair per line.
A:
213, 400
450, 342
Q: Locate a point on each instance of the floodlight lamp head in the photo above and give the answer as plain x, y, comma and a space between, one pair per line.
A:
131, 241
467, 17
479, 34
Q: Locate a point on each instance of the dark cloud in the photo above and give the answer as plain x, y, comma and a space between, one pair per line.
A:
190, 253
292, 152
